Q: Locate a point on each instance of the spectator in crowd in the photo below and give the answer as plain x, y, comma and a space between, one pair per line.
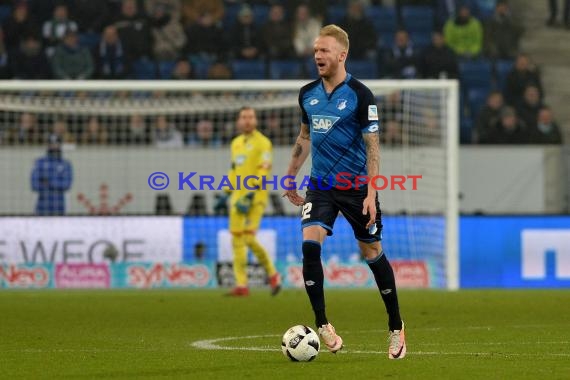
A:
362, 34
509, 129
489, 116
167, 32
172, 7
318, 8
245, 39
4, 63
438, 60
182, 70
431, 130
529, 106
402, 59
220, 71
227, 132
30, 61
61, 131
26, 132
205, 133
136, 132
274, 129
502, 33
464, 34
306, 28
553, 8
523, 74
111, 60
19, 26
391, 134
547, 130
166, 135
206, 40
134, 31
72, 61
94, 133
391, 108
195, 10
57, 28
91, 16
276, 34
52, 176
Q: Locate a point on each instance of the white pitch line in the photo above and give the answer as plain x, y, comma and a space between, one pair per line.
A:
214, 344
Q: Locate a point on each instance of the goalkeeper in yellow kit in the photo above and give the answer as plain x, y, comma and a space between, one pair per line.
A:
251, 156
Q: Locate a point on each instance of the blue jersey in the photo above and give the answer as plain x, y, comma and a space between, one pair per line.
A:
337, 122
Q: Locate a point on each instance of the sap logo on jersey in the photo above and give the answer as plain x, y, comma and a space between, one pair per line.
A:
322, 124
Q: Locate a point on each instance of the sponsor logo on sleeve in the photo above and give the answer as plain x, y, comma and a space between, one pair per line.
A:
372, 113
373, 128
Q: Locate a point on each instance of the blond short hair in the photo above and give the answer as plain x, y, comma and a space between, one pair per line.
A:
337, 33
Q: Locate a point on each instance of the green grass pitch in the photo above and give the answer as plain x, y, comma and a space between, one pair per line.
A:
200, 334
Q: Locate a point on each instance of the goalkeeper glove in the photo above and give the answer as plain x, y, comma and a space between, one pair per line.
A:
243, 205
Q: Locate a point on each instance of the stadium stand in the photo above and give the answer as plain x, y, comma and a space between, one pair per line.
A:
478, 75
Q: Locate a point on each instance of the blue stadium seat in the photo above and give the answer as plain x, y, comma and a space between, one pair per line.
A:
248, 69
386, 40
201, 69
502, 70
230, 15
5, 12
285, 69
476, 74
485, 9
421, 40
418, 18
362, 69
144, 69
165, 69
310, 67
384, 19
335, 13
260, 14
89, 40
476, 98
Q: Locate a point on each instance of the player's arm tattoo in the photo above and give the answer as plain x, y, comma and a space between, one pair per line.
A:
304, 136
372, 143
300, 150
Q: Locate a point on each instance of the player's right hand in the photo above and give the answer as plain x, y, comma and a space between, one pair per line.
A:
294, 197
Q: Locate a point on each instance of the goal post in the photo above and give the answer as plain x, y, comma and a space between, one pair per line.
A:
186, 126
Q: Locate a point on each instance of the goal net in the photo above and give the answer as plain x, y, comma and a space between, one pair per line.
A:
117, 136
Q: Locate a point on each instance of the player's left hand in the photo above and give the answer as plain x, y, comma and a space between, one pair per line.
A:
369, 208
243, 205
294, 197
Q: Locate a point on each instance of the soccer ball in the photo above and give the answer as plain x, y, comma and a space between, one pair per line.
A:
300, 344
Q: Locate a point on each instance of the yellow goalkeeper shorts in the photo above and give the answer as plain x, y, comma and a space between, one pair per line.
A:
246, 222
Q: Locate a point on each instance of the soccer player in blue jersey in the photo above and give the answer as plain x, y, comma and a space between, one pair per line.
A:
340, 127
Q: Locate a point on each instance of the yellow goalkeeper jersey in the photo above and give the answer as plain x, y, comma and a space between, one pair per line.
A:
252, 155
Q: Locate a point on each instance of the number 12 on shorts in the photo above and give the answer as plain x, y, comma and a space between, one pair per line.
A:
306, 213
